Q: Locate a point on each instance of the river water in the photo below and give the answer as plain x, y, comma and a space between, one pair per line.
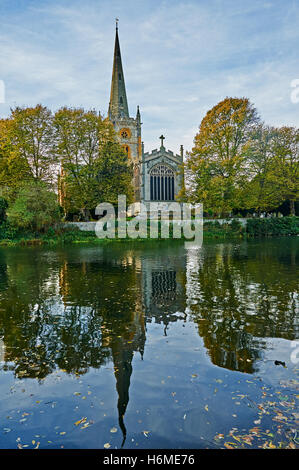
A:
150, 345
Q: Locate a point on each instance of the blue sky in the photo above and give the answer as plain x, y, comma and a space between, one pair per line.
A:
180, 58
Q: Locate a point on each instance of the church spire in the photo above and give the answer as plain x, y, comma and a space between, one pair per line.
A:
118, 105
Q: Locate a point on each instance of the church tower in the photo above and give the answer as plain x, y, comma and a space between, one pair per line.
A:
128, 129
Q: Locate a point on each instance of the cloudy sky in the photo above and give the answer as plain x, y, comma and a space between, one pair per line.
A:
180, 58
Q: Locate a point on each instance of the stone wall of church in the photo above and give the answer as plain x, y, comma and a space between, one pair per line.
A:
152, 161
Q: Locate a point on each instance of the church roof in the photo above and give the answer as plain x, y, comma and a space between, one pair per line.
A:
118, 105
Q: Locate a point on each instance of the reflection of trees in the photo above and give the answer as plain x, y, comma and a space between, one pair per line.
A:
41, 333
72, 316
77, 309
243, 293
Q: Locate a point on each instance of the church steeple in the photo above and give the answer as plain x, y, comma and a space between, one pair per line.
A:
118, 105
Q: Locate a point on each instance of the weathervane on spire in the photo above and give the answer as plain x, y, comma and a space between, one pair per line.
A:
116, 21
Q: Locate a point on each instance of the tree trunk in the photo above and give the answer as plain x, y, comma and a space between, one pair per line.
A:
292, 207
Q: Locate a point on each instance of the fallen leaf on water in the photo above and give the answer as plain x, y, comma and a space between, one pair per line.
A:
113, 430
107, 445
206, 408
85, 426
228, 446
82, 420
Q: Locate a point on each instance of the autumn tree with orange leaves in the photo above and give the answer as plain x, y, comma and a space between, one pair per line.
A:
217, 161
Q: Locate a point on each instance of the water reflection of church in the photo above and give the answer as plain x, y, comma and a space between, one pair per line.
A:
153, 294
109, 297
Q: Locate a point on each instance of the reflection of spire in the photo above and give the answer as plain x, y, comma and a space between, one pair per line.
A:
123, 349
122, 359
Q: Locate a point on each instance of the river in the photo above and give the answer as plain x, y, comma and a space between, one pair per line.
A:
150, 345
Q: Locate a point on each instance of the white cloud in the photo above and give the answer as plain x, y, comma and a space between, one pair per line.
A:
180, 58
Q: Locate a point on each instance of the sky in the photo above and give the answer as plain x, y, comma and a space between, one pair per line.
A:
180, 58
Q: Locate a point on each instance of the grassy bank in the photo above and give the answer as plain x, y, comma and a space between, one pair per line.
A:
285, 226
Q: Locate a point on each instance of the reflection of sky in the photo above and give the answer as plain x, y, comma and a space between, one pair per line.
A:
193, 380
180, 58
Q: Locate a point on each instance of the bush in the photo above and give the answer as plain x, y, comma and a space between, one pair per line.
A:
35, 208
235, 226
273, 226
7, 231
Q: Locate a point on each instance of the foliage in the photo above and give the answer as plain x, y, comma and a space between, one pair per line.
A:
32, 135
94, 167
217, 159
114, 174
3, 207
14, 168
239, 163
231, 229
285, 170
258, 190
35, 207
273, 226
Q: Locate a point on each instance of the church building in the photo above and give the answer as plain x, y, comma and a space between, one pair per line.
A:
157, 174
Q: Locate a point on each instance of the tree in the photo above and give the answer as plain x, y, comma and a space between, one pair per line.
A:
217, 159
80, 136
285, 170
94, 166
35, 207
14, 168
115, 174
259, 192
3, 208
32, 136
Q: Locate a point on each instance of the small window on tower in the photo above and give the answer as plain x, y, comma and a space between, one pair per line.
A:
121, 100
119, 76
124, 134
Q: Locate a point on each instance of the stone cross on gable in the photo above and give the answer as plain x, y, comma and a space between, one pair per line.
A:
162, 138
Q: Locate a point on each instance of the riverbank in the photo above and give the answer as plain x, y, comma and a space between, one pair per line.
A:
223, 230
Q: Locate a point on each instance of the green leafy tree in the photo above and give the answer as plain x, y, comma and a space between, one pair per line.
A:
80, 136
217, 158
114, 174
259, 192
285, 169
14, 168
32, 135
35, 207
94, 168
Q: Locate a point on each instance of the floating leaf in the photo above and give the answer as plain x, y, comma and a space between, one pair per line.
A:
82, 420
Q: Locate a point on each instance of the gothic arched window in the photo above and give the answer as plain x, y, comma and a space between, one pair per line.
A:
161, 183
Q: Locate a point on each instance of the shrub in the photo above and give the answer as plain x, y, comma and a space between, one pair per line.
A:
35, 208
273, 226
235, 226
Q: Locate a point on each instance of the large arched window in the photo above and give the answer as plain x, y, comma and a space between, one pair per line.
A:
161, 183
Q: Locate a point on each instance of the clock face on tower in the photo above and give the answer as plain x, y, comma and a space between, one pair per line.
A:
125, 133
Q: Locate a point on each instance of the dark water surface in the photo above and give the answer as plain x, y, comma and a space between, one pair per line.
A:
149, 346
